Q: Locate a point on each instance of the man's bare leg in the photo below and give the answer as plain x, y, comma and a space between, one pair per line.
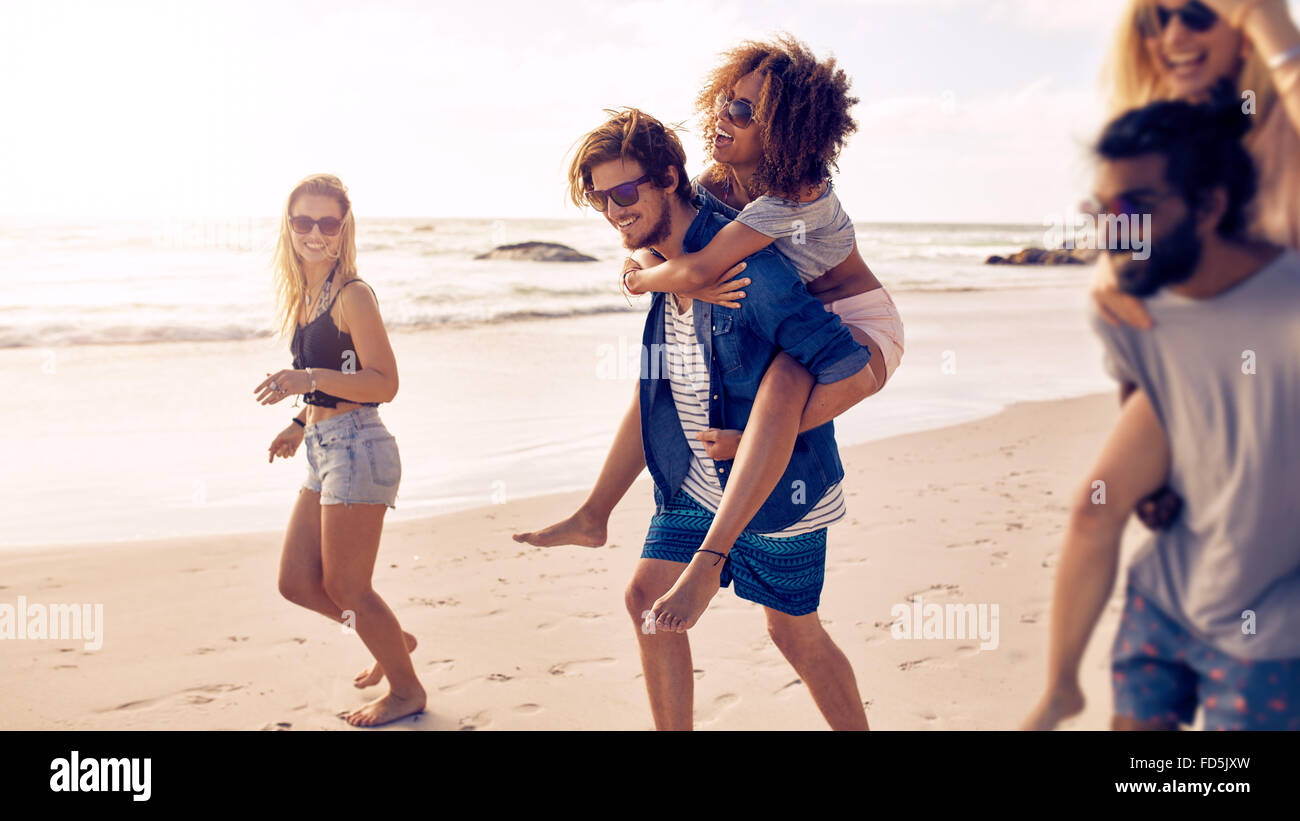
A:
589, 526
1134, 462
665, 657
821, 665
780, 413
1152, 725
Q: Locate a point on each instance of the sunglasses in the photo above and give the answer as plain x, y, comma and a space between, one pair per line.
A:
329, 226
1195, 15
740, 112
1122, 206
623, 194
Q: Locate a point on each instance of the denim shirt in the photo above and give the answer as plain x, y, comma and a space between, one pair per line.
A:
777, 314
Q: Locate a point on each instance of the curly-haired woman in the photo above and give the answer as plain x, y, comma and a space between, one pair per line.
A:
775, 119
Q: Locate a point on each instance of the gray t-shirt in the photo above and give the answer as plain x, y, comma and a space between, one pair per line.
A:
815, 236
1224, 377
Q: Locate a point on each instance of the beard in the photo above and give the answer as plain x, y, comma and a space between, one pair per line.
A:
655, 234
1179, 254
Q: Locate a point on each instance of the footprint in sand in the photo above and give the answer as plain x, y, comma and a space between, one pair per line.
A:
564, 667
975, 543
279, 726
450, 601
796, 683
498, 677
909, 665
443, 664
949, 589
1031, 617
192, 695
528, 709
478, 721
716, 708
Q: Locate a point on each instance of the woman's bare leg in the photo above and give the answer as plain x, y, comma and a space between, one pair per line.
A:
349, 544
301, 576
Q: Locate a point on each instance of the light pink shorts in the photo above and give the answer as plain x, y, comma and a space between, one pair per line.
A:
875, 314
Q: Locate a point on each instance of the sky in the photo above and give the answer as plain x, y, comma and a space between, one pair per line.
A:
971, 110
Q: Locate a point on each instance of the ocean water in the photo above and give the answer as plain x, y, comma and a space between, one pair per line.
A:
196, 280
129, 352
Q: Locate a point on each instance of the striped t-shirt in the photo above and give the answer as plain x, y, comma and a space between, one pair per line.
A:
688, 375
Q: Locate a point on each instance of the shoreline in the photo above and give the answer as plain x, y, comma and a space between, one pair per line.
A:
42, 548
171, 444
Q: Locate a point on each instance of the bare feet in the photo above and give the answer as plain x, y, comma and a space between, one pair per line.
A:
681, 607
720, 445
581, 529
374, 675
387, 709
1057, 705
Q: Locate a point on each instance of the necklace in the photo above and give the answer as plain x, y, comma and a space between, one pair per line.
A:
321, 297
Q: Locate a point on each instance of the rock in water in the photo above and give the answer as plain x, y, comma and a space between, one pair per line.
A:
1039, 256
537, 252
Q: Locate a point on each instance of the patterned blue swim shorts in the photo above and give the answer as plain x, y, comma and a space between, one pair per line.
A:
783, 574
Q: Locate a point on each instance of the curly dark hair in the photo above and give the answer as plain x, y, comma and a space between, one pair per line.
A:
802, 112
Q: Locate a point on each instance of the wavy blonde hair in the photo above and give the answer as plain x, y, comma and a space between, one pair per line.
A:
290, 282
1134, 79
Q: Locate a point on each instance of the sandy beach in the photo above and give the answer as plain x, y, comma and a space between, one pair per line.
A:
195, 635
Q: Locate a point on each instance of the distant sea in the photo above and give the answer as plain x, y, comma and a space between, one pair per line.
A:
167, 281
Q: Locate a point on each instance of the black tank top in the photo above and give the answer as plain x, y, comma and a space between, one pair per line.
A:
320, 344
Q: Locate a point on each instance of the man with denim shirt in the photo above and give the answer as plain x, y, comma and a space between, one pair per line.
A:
633, 159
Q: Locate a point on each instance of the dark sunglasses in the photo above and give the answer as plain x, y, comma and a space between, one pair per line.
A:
1195, 15
329, 226
623, 194
1122, 206
739, 112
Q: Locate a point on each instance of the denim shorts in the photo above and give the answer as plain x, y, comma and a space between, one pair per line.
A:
352, 459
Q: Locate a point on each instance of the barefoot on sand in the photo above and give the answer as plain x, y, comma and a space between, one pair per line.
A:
681, 607
1055, 707
579, 529
387, 709
373, 675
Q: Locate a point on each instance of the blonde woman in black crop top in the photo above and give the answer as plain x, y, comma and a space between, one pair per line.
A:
344, 368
